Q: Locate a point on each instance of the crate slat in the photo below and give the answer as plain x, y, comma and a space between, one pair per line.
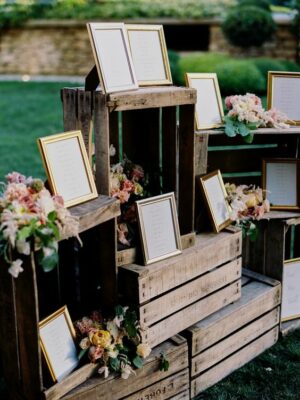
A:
235, 361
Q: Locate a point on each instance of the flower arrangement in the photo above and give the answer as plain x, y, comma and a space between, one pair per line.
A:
127, 183
248, 203
115, 344
246, 113
30, 218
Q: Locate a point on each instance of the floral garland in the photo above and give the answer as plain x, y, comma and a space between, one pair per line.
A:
115, 344
246, 113
248, 204
30, 218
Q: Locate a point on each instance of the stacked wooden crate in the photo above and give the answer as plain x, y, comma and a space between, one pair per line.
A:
150, 382
229, 338
173, 294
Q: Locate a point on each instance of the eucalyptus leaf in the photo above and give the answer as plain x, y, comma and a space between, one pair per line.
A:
138, 362
249, 138
114, 364
48, 263
52, 216
119, 310
82, 353
164, 363
24, 233
243, 129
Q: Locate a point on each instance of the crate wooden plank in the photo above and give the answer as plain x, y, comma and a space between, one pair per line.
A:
289, 326
132, 255
69, 101
95, 212
187, 294
182, 396
151, 97
164, 389
234, 342
84, 116
201, 143
260, 131
169, 149
114, 388
189, 315
232, 363
210, 251
257, 299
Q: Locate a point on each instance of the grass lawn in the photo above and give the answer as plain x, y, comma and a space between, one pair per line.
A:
30, 110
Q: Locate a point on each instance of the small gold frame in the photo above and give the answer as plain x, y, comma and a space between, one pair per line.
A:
163, 56
211, 198
148, 227
264, 181
286, 264
124, 53
191, 80
51, 318
54, 169
272, 75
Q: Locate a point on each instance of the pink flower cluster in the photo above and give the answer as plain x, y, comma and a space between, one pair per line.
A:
25, 206
246, 202
122, 185
249, 109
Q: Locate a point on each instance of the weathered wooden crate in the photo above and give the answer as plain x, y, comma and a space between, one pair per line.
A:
175, 293
148, 383
229, 338
154, 127
34, 295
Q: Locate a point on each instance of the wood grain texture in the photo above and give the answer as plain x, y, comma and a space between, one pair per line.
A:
169, 150
210, 251
151, 97
257, 299
95, 212
261, 131
189, 315
69, 103
85, 119
234, 342
201, 143
232, 363
114, 388
189, 293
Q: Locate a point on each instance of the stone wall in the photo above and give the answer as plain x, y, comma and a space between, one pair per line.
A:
63, 47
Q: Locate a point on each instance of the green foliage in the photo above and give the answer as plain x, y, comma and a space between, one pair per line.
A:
265, 64
138, 362
164, 363
289, 65
264, 4
174, 66
239, 77
235, 127
248, 26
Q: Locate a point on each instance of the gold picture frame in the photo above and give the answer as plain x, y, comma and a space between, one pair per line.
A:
215, 196
149, 54
57, 341
159, 228
112, 56
67, 167
281, 181
209, 112
284, 94
290, 306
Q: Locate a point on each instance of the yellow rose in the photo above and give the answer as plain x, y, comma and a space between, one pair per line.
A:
143, 350
252, 201
100, 338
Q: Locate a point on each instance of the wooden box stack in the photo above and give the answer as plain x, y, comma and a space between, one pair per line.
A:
173, 294
229, 338
148, 383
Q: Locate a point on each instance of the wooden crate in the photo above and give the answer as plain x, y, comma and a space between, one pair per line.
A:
148, 383
153, 126
229, 338
175, 293
33, 295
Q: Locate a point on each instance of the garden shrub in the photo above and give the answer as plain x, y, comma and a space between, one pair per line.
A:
264, 4
174, 66
239, 77
289, 65
248, 26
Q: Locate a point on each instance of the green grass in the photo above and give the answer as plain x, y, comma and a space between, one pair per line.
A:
28, 111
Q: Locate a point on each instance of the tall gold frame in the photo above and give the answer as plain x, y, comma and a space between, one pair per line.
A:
189, 77
62, 311
42, 144
217, 227
265, 161
285, 265
160, 30
92, 27
270, 91
142, 203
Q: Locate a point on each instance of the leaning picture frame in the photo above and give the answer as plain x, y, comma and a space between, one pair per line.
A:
67, 167
209, 111
215, 196
159, 228
57, 341
149, 54
112, 56
284, 94
290, 306
281, 181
